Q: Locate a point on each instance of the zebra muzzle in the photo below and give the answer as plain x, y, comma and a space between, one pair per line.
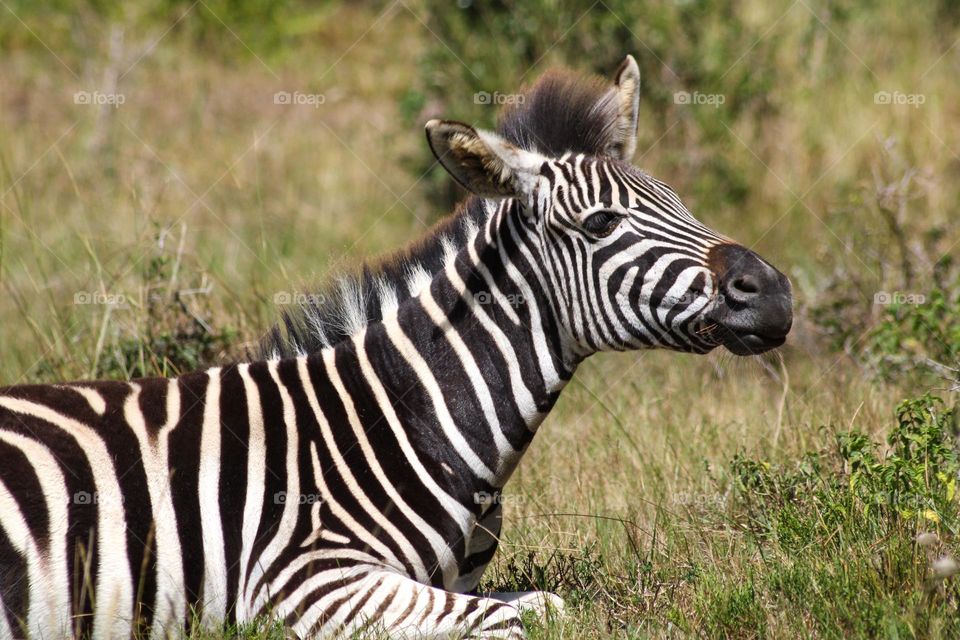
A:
754, 311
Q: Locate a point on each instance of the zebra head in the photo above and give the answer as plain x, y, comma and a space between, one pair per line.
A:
627, 264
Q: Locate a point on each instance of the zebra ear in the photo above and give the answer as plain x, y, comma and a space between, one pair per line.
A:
628, 106
483, 162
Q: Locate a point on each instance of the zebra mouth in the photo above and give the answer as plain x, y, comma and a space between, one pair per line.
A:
746, 343
737, 341
749, 344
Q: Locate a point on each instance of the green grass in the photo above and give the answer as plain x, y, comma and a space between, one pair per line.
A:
712, 525
668, 494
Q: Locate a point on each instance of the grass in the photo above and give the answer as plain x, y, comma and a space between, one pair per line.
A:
668, 494
642, 517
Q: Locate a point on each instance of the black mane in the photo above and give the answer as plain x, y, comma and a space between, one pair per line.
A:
562, 112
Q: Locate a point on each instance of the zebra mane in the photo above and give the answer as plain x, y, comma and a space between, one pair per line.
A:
562, 112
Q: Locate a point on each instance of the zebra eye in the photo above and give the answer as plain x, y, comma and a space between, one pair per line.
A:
601, 223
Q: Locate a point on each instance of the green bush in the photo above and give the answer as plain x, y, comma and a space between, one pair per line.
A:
918, 339
841, 525
909, 483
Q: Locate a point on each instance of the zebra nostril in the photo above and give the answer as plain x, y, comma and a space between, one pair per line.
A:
745, 284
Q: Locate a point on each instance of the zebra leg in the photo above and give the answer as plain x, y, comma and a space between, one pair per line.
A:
541, 603
400, 607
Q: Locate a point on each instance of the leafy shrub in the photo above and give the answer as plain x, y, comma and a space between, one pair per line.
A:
917, 478
838, 531
909, 483
918, 339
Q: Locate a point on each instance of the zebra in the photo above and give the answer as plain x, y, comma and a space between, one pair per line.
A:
343, 479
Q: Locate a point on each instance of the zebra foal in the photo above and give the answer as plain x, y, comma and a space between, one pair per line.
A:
331, 483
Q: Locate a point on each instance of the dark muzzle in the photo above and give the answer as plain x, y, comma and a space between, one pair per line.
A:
754, 309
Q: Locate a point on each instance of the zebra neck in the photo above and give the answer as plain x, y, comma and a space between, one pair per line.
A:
464, 371
484, 330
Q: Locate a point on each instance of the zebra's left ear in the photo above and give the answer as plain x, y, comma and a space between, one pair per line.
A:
628, 106
483, 162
